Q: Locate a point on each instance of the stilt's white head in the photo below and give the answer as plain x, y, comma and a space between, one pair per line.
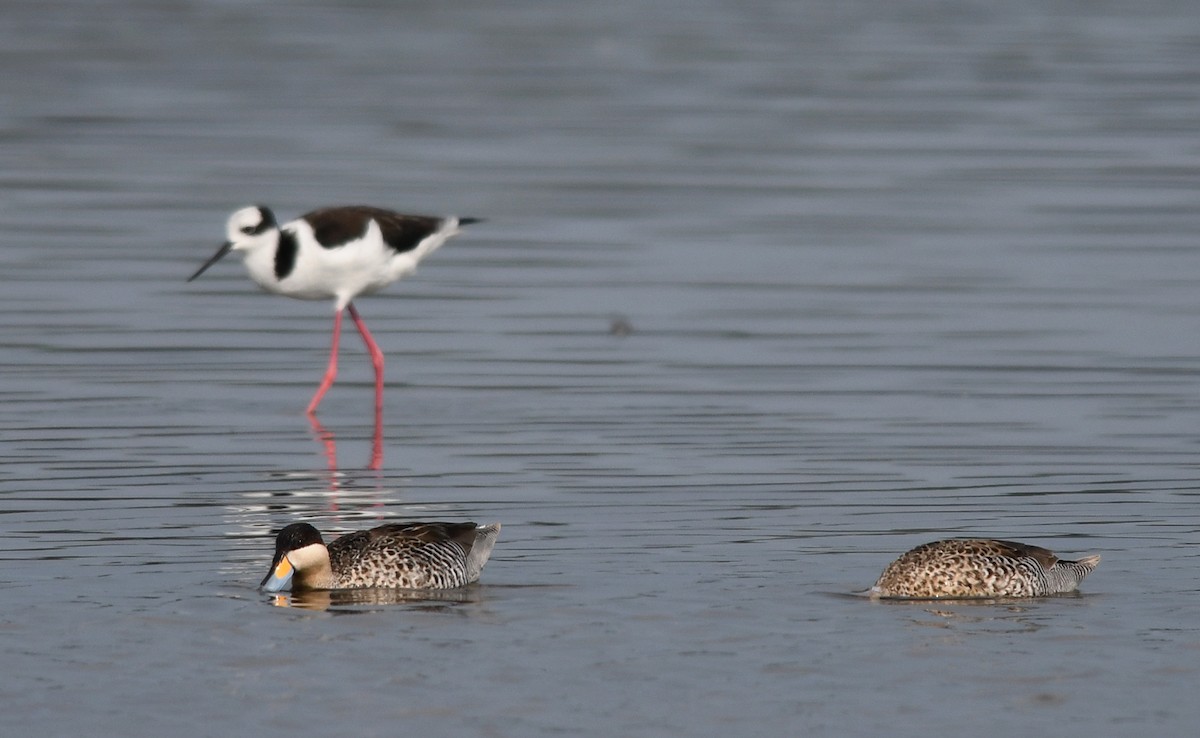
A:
248, 228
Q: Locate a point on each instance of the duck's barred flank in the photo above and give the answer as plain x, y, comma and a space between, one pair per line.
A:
406, 555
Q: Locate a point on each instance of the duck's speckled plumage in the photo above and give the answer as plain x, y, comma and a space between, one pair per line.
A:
972, 567
399, 555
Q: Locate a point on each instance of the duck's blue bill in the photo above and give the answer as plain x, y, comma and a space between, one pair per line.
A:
279, 577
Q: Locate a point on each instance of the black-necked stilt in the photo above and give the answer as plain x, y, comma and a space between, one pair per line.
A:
338, 253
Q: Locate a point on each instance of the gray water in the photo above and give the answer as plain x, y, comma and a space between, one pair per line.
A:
883, 272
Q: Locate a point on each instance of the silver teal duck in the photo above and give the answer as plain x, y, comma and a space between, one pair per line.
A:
397, 555
973, 567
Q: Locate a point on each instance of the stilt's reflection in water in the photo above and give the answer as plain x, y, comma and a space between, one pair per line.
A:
326, 438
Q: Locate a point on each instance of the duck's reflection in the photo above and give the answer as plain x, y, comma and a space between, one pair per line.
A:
324, 599
326, 438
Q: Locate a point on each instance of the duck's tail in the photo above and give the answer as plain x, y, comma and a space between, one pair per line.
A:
1065, 576
481, 550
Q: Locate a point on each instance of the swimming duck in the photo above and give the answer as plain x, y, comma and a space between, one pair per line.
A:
404, 555
972, 567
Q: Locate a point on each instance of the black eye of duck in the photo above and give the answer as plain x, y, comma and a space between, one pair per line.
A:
248, 230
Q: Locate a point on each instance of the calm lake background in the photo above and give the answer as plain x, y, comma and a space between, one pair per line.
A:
879, 273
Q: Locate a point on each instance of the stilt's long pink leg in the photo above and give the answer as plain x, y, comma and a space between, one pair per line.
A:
331, 371
376, 356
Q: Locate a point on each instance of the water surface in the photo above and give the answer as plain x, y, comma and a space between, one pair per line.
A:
886, 273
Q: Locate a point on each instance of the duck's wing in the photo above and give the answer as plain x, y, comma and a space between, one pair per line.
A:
426, 532
1015, 550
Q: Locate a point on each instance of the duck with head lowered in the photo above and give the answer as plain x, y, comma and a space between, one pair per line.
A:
963, 568
417, 555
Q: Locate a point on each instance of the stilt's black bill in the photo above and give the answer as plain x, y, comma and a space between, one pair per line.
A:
225, 247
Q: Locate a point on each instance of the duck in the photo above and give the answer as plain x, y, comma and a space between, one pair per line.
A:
414, 555
978, 567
